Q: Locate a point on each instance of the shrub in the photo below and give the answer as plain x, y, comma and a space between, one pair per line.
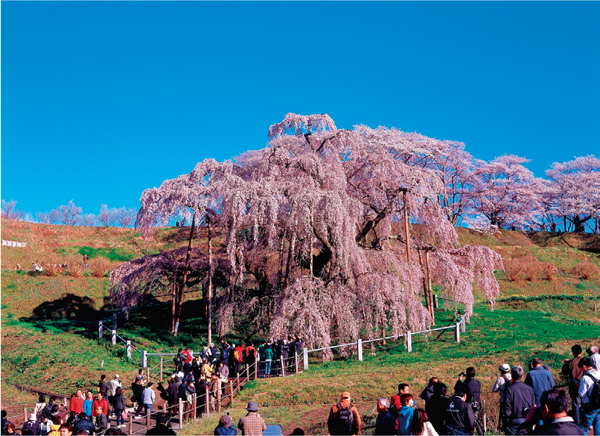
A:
550, 270
513, 269
99, 267
585, 270
75, 266
51, 266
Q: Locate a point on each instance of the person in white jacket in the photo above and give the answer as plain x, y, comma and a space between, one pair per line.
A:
421, 424
590, 412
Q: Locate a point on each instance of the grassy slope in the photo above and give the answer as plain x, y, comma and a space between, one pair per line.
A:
512, 333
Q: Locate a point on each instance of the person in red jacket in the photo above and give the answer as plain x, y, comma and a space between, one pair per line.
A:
100, 401
77, 402
238, 357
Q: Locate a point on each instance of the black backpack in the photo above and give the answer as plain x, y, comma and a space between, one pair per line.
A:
344, 420
594, 394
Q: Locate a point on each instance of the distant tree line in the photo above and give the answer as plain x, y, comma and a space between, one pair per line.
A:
71, 215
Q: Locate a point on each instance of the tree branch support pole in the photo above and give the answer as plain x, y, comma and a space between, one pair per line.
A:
429, 287
209, 281
174, 302
185, 273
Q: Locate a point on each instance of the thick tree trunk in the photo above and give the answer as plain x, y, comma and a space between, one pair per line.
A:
424, 281
185, 273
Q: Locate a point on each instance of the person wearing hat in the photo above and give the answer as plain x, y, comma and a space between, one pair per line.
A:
500, 386
519, 398
32, 425
252, 424
343, 417
225, 426
114, 384
138, 388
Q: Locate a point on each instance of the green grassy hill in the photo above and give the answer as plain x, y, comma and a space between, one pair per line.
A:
49, 323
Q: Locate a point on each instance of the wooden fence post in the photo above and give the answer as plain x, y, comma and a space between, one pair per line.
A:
130, 424
194, 405
359, 346
457, 332
409, 341
296, 362
305, 358
207, 401
147, 420
160, 374
144, 360
128, 348
237, 377
147, 373
219, 397
25, 417
247, 372
256, 362
100, 328
231, 389
114, 321
180, 413
282, 366
113, 337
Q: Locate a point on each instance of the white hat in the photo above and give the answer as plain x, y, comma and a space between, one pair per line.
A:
504, 367
116, 375
32, 417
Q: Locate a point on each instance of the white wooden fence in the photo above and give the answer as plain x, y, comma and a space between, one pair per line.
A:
14, 243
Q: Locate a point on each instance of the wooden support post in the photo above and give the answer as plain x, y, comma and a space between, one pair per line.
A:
457, 332
231, 389
160, 374
282, 366
296, 362
256, 363
194, 406
100, 328
144, 360
114, 321
463, 326
147, 373
128, 349
130, 424
207, 401
25, 417
237, 377
180, 413
219, 399
113, 337
147, 420
247, 372
305, 358
468, 318
409, 341
359, 346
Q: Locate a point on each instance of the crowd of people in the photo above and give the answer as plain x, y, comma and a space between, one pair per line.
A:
529, 403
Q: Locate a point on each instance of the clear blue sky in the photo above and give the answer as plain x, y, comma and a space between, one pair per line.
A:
101, 100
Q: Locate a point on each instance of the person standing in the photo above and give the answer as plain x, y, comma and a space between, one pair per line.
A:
519, 398
500, 386
268, 354
405, 415
343, 417
554, 414
428, 391
32, 425
539, 379
384, 424
100, 401
574, 373
460, 419
103, 387
252, 424
114, 384
87, 403
161, 426
119, 402
437, 406
421, 425
148, 397
77, 402
594, 356
137, 388
590, 397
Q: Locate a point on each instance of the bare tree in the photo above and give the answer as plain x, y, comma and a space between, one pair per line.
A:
48, 217
87, 220
125, 217
10, 211
68, 215
107, 217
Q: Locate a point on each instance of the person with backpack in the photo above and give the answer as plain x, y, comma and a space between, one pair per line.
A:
179, 359
428, 391
39, 407
238, 357
500, 386
519, 398
589, 392
436, 407
460, 419
343, 417
573, 373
